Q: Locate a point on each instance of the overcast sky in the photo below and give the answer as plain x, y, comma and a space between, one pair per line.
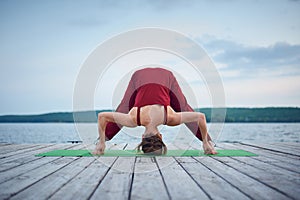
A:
254, 44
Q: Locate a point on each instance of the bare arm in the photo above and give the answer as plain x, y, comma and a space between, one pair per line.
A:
115, 117
188, 117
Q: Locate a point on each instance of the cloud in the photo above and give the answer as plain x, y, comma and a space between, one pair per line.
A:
263, 92
87, 22
280, 59
103, 13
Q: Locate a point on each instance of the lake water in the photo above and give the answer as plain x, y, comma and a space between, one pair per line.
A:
229, 132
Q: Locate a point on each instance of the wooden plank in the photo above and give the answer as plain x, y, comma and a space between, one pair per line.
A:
213, 184
284, 148
293, 145
249, 186
29, 166
147, 181
20, 155
52, 183
78, 146
118, 146
116, 184
178, 182
23, 169
5, 146
23, 158
271, 168
132, 178
131, 146
186, 146
260, 148
22, 181
17, 149
44, 148
169, 169
260, 151
280, 180
274, 148
13, 147
276, 159
84, 185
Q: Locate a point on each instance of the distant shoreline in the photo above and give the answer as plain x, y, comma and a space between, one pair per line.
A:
233, 115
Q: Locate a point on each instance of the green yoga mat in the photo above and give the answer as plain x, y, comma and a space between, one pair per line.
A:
129, 153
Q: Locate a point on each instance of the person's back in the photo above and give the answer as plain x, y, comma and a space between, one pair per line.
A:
152, 87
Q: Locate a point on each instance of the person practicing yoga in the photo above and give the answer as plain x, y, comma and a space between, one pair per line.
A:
153, 97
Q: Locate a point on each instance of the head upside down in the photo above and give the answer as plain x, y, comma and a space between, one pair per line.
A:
153, 145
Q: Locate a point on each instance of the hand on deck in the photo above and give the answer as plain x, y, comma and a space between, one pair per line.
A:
100, 147
208, 148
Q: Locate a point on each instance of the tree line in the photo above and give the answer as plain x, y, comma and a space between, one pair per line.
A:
241, 115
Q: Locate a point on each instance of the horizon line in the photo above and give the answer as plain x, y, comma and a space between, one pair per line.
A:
110, 109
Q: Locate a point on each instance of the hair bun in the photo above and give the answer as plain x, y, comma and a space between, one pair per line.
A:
153, 145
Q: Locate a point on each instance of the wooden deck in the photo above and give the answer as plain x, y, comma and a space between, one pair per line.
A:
274, 174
